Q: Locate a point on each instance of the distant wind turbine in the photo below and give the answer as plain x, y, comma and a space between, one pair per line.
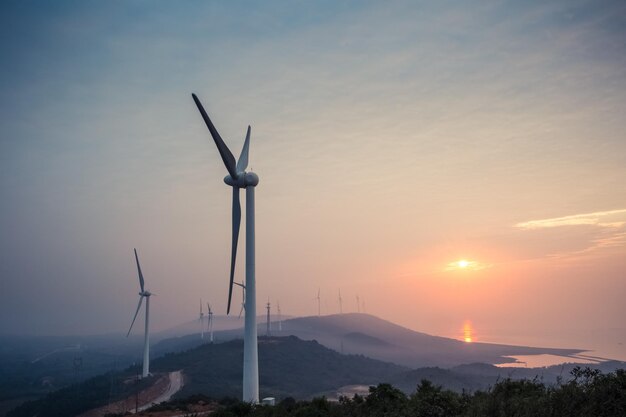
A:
319, 307
201, 319
146, 341
280, 317
358, 304
243, 298
238, 178
340, 303
210, 322
268, 317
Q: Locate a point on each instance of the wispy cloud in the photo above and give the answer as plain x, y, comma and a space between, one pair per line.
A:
594, 218
600, 231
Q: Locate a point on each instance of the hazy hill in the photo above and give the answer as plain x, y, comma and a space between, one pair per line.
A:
376, 338
288, 366
380, 339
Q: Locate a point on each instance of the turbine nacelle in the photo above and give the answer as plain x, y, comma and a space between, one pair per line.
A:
243, 180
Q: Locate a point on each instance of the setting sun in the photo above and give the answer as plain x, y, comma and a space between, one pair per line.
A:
466, 265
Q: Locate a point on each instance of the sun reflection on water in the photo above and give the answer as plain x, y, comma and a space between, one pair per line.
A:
468, 332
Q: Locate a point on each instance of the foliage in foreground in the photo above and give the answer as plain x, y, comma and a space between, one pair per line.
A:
589, 393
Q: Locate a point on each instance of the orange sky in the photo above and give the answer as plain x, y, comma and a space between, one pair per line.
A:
390, 141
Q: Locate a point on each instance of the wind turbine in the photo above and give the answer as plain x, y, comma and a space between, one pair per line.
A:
238, 178
210, 322
358, 304
268, 317
280, 318
243, 298
146, 340
319, 308
201, 319
340, 303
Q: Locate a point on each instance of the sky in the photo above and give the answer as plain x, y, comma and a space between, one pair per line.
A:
392, 140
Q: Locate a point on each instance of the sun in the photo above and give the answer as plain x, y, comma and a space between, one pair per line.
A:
465, 264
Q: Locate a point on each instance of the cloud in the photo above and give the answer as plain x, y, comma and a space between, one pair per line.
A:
579, 219
601, 231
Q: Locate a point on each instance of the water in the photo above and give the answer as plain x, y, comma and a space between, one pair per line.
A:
599, 344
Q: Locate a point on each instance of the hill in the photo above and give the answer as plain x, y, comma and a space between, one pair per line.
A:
364, 334
288, 366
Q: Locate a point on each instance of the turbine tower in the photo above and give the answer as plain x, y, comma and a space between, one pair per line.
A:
210, 322
201, 319
280, 317
146, 340
238, 178
358, 304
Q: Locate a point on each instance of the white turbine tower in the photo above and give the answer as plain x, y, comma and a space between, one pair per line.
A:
201, 321
238, 178
146, 341
210, 322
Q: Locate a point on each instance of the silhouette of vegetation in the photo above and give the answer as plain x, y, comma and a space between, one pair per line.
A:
588, 393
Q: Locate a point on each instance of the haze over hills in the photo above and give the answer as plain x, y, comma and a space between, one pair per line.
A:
289, 367
365, 334
353, 333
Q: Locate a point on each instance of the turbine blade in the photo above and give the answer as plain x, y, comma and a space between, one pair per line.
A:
241, 311
233, 254
139, 271
225, 153
242, 164
135, 318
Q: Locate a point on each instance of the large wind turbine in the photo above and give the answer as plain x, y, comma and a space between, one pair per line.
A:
238, 178
146, 340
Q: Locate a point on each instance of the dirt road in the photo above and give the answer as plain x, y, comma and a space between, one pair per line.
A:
176, 383
161, 390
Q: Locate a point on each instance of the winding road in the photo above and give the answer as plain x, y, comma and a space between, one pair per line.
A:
176, 383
